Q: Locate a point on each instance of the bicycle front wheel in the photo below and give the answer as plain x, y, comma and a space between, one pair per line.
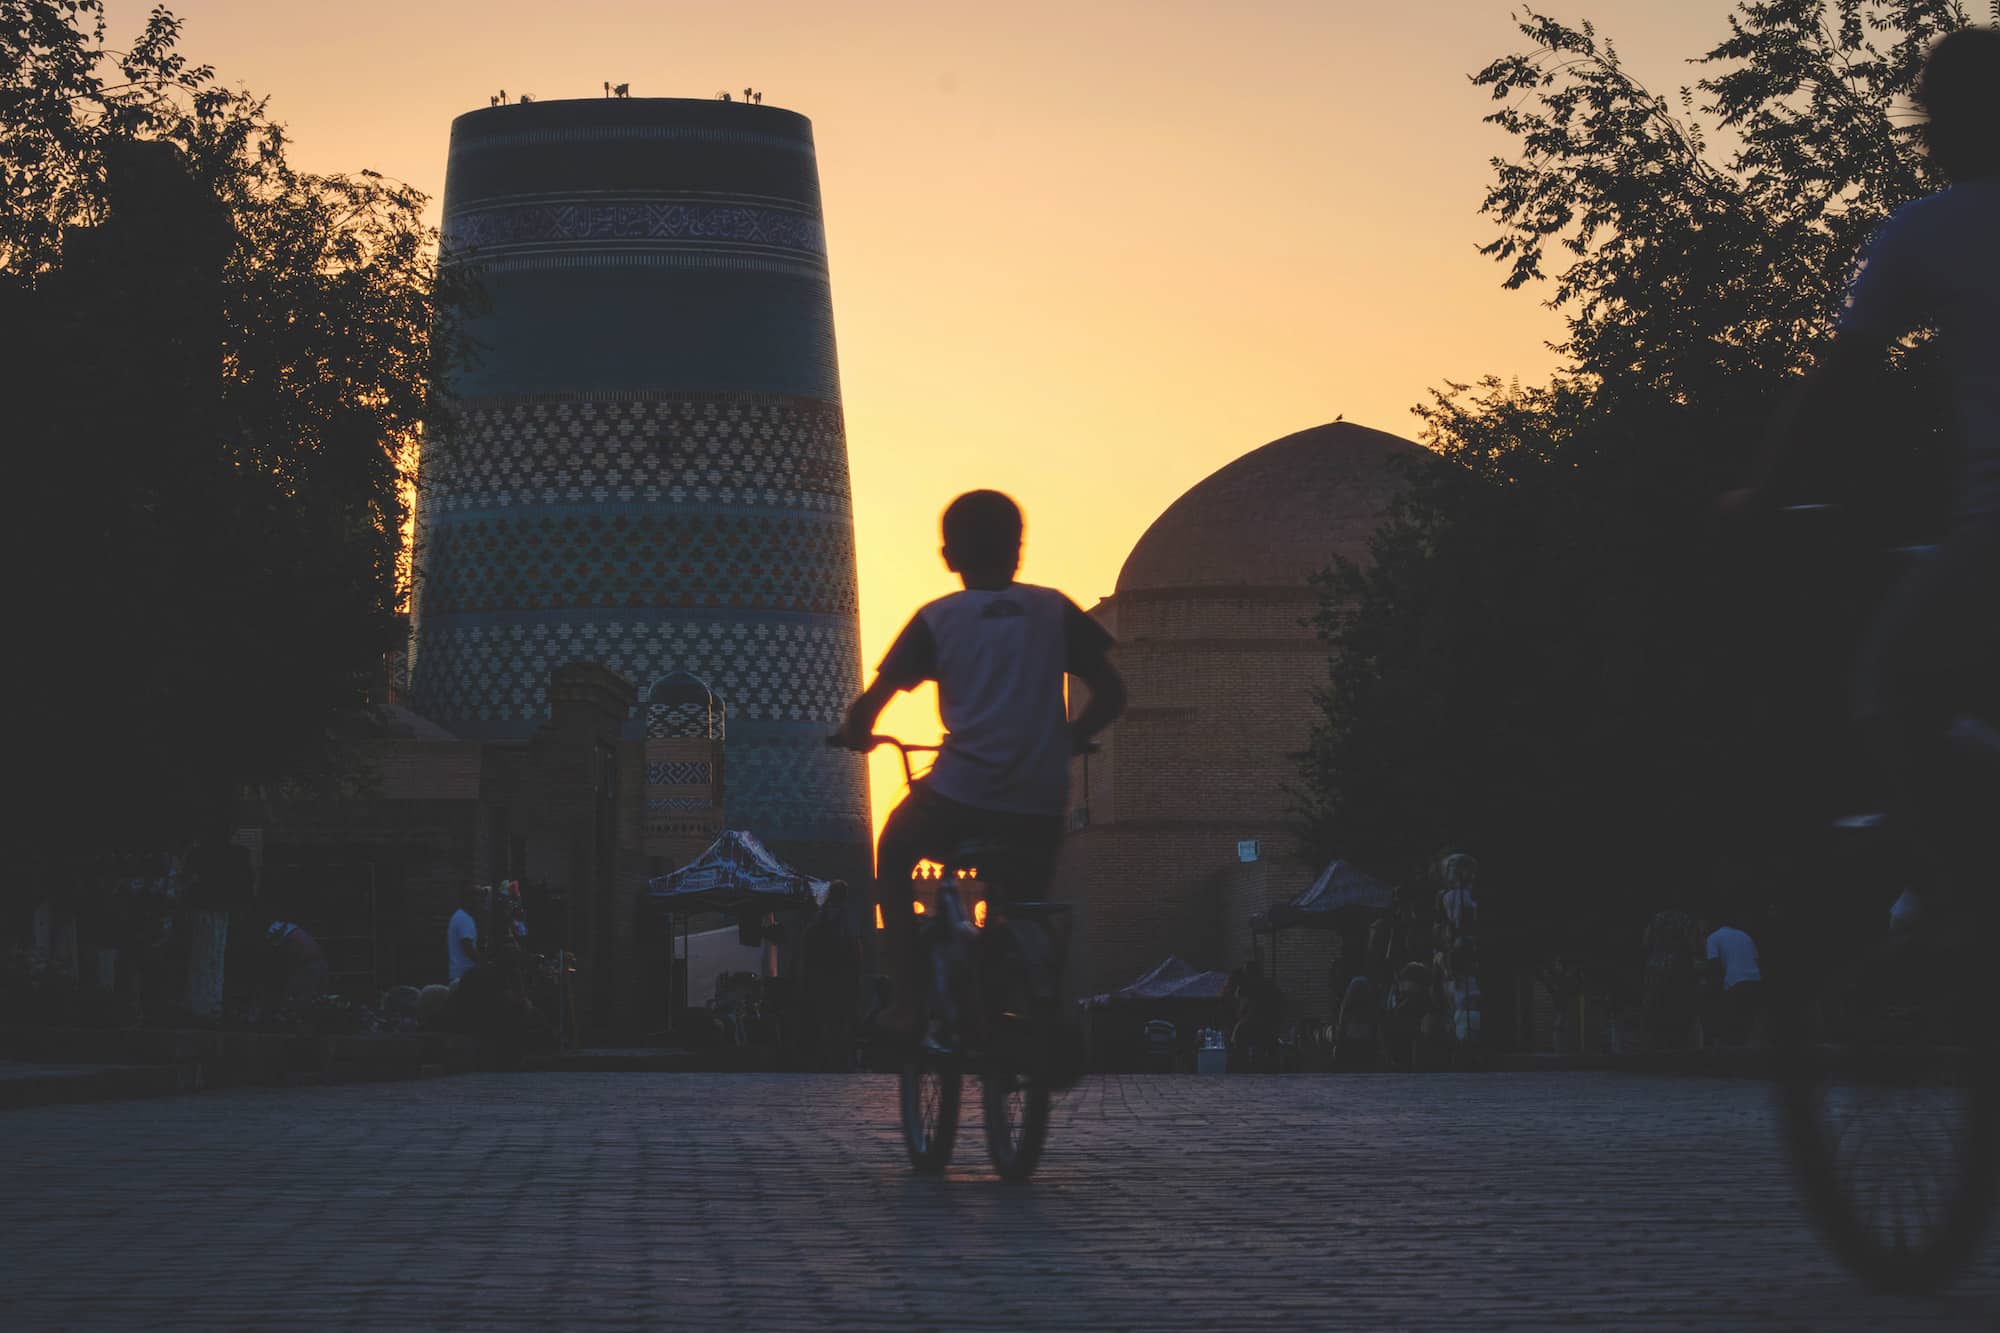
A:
1891, 1102
931, 1090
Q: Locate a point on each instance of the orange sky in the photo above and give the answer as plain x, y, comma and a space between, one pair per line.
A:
1085, 252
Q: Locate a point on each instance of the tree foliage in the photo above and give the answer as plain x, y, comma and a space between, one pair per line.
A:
1547, 660
220, 368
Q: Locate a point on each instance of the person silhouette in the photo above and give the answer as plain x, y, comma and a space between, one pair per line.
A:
1934, 264
999, 651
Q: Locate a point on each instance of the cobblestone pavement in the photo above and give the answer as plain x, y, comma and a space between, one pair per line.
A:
782, 1201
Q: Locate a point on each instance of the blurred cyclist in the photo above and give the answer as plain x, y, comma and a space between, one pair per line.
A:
1934, 647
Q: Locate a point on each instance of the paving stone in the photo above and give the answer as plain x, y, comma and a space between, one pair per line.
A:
1476, 1202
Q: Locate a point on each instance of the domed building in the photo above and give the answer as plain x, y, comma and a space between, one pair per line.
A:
1179, 824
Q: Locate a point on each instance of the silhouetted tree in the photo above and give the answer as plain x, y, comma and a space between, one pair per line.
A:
1551, 660
218, 369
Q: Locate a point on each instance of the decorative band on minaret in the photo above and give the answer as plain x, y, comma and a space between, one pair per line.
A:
648, 468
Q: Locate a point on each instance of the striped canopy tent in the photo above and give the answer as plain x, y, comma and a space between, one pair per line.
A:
736, 872
1172, 978
1335, 901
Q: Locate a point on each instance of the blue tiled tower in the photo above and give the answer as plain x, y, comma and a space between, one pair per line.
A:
649, 467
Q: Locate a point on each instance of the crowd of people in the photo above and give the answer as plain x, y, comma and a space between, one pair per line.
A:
497, 988
1408, 979
164, 938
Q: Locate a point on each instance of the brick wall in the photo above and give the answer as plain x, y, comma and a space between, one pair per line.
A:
409, 770
1222, 684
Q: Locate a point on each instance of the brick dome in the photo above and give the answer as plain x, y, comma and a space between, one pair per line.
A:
1276, 515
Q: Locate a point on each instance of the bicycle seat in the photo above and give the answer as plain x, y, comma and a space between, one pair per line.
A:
1034, 911
1975, 736
971, 851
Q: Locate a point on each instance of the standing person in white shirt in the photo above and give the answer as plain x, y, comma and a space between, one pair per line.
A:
1742, 980
1458, 909
461, 937
1457, 954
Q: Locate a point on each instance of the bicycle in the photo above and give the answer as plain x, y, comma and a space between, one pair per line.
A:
992, 1006
1879, 1043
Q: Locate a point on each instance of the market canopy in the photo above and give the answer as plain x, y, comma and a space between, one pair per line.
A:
1172, 978
1335, 900
736, 871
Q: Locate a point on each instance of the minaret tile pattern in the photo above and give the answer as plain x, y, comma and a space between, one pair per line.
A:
649, 464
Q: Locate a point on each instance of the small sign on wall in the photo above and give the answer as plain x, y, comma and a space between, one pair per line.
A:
1247, 850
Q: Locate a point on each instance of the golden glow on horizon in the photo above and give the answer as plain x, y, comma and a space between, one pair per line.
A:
1085, 254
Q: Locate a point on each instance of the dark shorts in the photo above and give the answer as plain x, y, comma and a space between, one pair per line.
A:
1018, 850
1931, 655
1741, 1004
1932, 648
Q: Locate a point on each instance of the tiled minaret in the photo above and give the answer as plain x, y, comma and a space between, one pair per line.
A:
648, 467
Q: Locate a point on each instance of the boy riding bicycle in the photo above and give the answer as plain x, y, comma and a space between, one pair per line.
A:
999, 652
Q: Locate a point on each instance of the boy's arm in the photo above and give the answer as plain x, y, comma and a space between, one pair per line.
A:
1107, 702
1883, 302
863, 713
1086, 651
1818, 409
911, 660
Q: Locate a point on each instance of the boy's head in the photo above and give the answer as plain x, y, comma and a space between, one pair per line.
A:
1959, 91
982, 537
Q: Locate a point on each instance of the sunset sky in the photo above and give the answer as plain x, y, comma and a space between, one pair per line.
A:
1085, 252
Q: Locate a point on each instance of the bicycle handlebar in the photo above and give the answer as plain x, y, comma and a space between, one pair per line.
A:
903, 748
1912, 551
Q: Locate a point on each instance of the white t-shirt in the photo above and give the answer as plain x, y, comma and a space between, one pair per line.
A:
1738, 955
1461, 909
1936, 264
463, 930
999, 656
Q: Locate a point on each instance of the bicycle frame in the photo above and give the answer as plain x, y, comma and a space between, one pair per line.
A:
995, 986
1030, 927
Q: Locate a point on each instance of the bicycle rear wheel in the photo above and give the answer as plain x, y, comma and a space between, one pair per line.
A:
1890, 1094
931, 1089
1016, 1109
